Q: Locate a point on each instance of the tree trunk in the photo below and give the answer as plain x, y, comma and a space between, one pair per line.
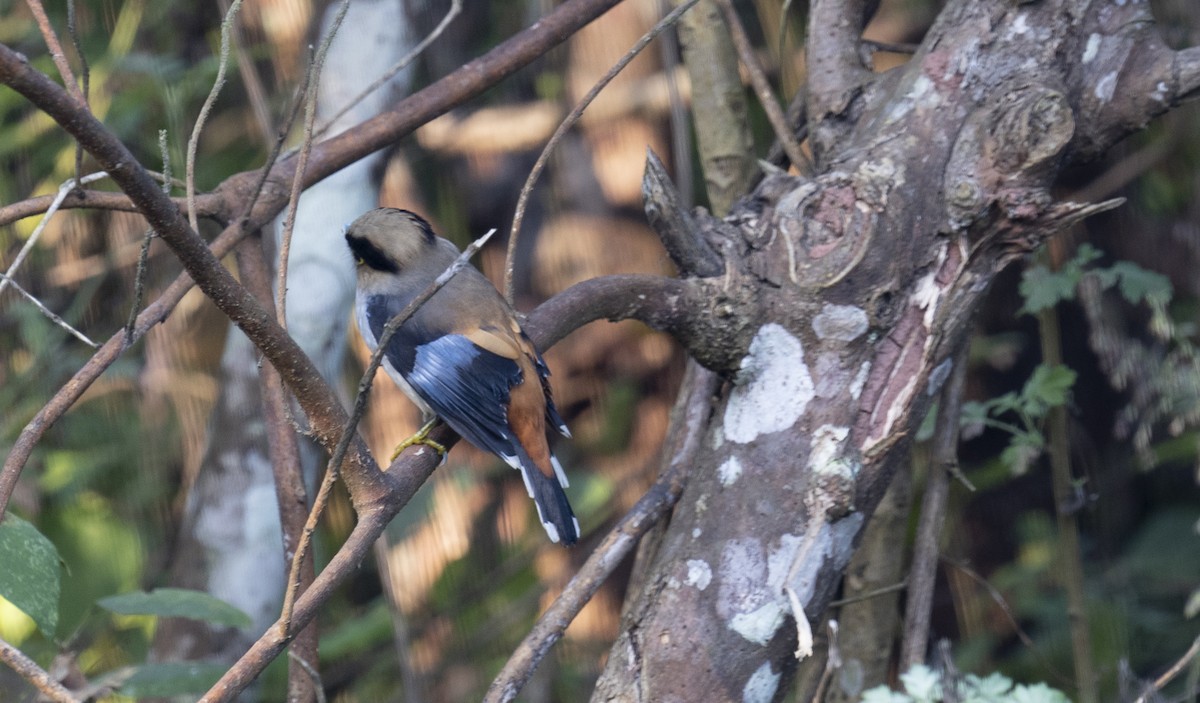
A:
847, 293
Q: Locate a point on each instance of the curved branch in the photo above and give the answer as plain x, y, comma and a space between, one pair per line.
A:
674, 224
667, 304
689, 421
207, 206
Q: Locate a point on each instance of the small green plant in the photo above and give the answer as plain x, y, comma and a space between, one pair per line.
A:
923, 685
1049, 386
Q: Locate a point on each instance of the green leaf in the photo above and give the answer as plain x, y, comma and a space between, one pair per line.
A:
177, 602
1022, 450
1047, 388
922, 683
1137, 284
883, 694
172, 679
31, 575
1038, 693
1042, 288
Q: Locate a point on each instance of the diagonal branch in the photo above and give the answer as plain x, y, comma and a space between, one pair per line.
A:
835, 70
163, 215
691, 415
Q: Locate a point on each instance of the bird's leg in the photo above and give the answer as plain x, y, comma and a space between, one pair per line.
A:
421, 437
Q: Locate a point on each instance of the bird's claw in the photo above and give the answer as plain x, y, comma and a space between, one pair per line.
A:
421, 437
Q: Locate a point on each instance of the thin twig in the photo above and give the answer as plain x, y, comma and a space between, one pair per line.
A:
762, 88
360, 406
1069, 564
899, 586
568, 122
284, 450
1171, 673
310, 117
999, 600
318, 687
833, 661
204, 110
681, 129
84, 73
411, 684
693, 411
453, 12
63, 190
251, 80
891, 47
139, 280
34, 674
48, 313
923, 573
56, 51
276, 149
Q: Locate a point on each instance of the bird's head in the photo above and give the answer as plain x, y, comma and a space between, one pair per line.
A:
391, 241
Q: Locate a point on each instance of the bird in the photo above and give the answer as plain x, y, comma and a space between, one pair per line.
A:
462, 356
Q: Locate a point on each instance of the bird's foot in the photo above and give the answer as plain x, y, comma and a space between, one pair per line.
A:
421, 437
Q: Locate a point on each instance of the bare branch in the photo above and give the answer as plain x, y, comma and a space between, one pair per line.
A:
56, 51
310, 115
762, 88
453, 12
85, 73
568, 122
835, 70
139, 281
207, 205
34, 674
290, 490
49, 313
693, 408
1171, 673
923, 573
674, 224
1187, 68
223, 61
63, 191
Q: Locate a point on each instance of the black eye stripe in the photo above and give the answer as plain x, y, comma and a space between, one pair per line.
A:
371, 255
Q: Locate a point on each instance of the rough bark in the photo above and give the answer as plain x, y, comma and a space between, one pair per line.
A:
855, 286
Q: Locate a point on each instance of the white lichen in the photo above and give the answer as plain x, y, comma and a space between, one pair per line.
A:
842, 323
1106, 87
775, 387
729, 471
1092, 49
761, 686
825, 455
699, 573
759, 625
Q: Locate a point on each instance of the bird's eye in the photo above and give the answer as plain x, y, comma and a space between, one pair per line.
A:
358, 261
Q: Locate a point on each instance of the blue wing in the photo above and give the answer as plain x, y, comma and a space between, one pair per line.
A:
468, 387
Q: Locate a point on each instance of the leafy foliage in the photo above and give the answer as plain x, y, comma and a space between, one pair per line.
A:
30, 578
1048, 387
923, 685
176, 602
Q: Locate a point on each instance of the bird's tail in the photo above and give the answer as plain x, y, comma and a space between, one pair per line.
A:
547, 492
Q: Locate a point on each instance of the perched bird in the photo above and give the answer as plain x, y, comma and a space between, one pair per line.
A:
462, 356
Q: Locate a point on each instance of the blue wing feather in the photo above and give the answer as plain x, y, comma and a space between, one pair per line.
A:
468, 387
